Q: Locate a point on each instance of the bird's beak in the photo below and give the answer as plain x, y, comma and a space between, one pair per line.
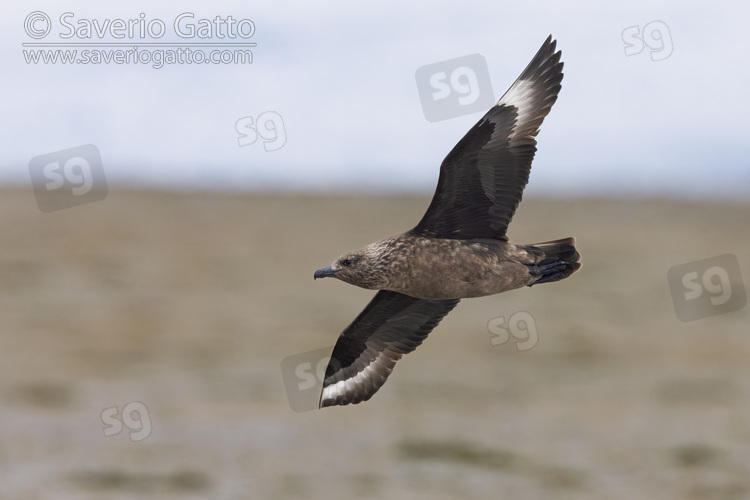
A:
326, 272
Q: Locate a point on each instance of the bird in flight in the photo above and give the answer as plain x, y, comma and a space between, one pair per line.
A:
459, 249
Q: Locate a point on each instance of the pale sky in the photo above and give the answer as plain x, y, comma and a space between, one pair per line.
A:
338, 80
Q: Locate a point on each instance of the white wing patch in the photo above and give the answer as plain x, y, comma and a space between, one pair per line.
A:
343, 387
520, 95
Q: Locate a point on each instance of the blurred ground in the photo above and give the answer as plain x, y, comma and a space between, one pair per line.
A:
189, 302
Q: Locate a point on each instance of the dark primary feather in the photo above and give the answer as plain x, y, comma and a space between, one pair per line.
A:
483, 177
390, 326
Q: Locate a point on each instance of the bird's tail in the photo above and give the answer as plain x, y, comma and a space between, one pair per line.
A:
553, 260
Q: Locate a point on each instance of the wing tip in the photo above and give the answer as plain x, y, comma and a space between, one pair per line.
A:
324, 403
546, 57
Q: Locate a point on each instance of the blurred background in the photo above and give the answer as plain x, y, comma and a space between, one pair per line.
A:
162, 217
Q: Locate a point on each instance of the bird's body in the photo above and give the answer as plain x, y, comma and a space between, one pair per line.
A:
459, 249
441, 269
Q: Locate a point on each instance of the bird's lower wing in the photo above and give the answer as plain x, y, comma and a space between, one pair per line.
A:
390, 326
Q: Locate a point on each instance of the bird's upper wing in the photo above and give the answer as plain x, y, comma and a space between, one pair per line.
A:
390, 326
482, 178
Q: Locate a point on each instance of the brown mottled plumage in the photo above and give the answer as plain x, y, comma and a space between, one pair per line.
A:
441, 269
459, 249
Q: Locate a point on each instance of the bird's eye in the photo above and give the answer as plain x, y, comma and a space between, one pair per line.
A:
347, 262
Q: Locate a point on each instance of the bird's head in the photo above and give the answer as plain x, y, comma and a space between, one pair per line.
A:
364, 268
